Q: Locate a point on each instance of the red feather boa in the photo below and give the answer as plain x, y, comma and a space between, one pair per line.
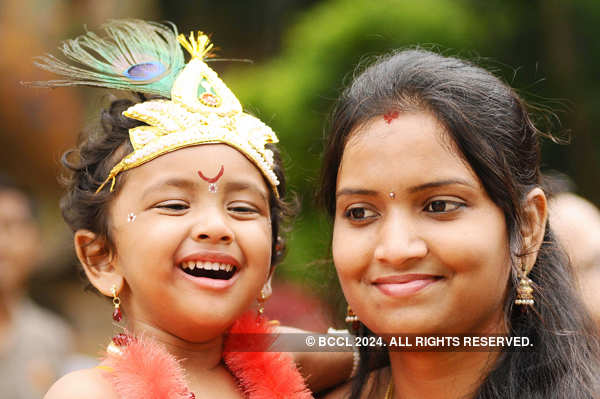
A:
146, 370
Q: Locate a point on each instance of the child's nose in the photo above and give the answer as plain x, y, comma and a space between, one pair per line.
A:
212, 229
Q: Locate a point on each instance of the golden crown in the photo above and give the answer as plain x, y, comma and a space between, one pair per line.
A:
202, 110
147, 57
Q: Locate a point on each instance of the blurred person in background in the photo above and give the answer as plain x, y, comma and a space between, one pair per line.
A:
34, 343
576, 223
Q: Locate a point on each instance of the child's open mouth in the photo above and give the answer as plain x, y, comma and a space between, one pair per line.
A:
214, 270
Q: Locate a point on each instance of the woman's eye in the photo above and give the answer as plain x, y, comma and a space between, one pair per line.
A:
443, 206
359, 213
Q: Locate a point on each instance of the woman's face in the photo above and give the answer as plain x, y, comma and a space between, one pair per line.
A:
418, 245
194, 256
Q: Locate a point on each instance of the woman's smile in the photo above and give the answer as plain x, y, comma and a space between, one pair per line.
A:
405, 285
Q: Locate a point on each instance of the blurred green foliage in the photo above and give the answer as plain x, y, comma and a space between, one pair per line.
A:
545, 49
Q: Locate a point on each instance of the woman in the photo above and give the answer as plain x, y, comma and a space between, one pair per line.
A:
431, 177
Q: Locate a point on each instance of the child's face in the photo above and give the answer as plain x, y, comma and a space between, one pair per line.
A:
179, 221
418, 245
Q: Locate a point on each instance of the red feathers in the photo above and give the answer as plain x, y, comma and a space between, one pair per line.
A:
146, 370
261, 374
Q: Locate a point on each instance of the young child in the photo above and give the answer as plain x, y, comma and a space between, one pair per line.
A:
176, 207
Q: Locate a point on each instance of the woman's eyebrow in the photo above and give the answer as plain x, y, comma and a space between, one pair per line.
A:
355, 191
441, 183
414, 189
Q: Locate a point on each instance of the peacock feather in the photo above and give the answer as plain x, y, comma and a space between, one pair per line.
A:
134, 55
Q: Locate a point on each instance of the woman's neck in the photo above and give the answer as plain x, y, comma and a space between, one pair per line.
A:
434, 375
447, 375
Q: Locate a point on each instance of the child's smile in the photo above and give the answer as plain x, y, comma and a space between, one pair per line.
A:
193, 259
215, 270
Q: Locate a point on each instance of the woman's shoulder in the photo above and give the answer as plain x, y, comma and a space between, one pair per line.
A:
87, 383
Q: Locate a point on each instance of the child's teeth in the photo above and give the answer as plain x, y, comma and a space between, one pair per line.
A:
207, 266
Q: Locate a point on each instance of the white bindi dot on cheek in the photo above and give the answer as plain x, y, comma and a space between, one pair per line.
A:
130, 217
392, 195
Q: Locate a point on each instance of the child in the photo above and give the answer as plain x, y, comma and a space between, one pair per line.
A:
176, 208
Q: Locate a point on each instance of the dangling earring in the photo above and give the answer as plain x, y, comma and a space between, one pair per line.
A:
261, 302
524, 290
351, 317
117, 315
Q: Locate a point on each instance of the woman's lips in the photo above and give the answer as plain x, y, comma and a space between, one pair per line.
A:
404, 285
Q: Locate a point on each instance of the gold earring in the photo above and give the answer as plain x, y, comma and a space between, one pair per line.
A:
524, 290
117, 315
351, 317
261, 302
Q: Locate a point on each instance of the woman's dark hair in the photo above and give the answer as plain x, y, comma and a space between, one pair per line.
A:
490, 126
91, 162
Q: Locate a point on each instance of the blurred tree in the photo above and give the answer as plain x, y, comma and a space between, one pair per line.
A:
245, 29
294, 91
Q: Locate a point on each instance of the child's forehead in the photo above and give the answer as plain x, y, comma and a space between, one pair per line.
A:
202, 164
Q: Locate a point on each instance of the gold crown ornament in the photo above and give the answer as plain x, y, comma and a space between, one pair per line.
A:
146, 57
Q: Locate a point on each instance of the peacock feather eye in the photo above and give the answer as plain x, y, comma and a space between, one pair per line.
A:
145, 71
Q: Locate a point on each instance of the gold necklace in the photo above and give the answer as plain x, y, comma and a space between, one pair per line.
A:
389, 394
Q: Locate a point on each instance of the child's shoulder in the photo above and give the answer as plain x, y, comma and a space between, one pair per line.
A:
88, 383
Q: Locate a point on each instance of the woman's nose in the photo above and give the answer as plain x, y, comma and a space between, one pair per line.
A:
399, 241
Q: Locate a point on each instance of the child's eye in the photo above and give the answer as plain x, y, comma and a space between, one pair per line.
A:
176, 206
443, 206
242, 209
359, 214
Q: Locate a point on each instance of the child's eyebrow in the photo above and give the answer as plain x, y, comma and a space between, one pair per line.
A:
172, 182
241, 186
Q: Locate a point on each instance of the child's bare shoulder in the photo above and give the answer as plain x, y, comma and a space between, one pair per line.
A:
88, 383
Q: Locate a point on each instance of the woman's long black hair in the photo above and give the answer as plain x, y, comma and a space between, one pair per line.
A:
491, 127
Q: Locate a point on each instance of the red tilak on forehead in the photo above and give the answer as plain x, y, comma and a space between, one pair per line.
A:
212, 179
390, 116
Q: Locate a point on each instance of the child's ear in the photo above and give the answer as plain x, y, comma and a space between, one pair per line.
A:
534, 225
96, 257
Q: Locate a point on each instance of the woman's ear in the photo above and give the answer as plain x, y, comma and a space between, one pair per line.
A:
97, 260
534, 225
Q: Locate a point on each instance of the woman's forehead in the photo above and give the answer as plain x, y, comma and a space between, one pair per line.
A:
411, 149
